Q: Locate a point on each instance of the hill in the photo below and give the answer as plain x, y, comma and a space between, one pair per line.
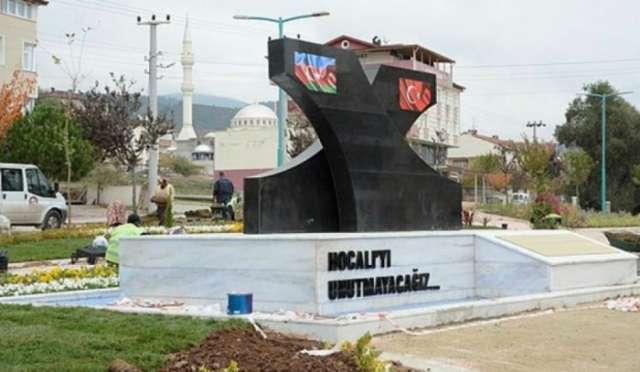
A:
209, 100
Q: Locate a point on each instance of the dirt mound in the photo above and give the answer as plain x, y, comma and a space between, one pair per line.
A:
253, 353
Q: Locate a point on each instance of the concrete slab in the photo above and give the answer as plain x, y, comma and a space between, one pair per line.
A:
559, 244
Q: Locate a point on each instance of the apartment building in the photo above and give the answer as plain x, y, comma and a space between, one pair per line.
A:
19, 39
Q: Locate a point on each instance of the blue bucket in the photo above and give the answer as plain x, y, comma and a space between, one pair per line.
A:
239, 303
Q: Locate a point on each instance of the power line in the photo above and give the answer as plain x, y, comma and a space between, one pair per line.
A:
102, 46
464, 75
130, 12
553, 63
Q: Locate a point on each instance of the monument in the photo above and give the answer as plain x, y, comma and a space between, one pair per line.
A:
329, 233
361, 175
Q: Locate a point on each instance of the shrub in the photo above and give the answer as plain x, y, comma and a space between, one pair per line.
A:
544, 205
366, 357
180, 165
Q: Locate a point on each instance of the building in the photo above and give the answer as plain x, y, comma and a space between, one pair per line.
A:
18, 40
248, 147
471, 145
438, 129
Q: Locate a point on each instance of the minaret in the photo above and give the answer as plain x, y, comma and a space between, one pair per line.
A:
187, 133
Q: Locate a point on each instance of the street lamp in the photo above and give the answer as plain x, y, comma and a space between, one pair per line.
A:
282, 105
603, 168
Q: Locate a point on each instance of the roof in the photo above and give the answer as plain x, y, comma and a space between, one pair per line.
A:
405, 50
17, 165
255, 111
355, 42
506, 143
491, 139
203, 148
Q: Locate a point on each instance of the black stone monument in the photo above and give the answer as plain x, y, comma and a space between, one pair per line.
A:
361, 175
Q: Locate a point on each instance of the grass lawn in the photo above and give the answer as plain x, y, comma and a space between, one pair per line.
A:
194, 185
79, 339
43, 250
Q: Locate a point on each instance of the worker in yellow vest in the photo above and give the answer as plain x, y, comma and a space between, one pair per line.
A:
131, 228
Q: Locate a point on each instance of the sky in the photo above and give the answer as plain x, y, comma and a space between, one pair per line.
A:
520, 60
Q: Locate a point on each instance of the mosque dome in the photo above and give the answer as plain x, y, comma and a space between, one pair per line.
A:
204, 149
255, 115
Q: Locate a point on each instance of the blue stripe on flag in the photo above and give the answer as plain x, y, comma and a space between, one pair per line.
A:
313, 60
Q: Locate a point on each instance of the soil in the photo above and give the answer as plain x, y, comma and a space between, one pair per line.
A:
253, 353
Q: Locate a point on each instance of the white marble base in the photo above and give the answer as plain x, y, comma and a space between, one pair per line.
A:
291, 272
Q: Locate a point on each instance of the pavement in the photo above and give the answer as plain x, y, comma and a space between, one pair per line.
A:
580, 339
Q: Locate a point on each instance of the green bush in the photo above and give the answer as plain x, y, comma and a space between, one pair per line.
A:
179, 165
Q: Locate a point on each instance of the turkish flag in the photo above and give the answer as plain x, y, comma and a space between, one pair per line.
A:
415, 95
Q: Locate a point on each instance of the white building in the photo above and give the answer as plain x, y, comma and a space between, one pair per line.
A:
18, 41
471, 145
248, 147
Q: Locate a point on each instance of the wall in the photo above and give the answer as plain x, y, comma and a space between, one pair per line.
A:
237, 176
245, 149
471, 147
294, 271
110, 194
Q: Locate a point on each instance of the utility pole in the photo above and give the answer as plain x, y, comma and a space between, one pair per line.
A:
153, 100
535, 125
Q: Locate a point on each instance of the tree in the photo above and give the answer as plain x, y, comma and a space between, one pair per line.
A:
38, 138
506, 164
577, 167
487, 163
533, 159
13, 96
108, 118
300, 134
583, 129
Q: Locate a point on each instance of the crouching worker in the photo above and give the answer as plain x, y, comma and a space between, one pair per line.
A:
131, 228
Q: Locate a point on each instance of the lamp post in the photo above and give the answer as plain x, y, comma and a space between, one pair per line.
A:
282, 104
603, 167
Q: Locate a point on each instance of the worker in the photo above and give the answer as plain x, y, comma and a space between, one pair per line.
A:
162, 197
222, 194
131, 228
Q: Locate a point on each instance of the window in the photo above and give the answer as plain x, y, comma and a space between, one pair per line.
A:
3, 42
18, 8
12, 180
37, 183
29, 57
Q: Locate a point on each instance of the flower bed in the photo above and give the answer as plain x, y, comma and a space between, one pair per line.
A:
58, 280
92, 231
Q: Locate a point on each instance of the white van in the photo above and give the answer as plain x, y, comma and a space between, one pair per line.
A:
27, 198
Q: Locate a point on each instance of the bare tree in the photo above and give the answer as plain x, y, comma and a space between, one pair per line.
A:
109, 118
73, 69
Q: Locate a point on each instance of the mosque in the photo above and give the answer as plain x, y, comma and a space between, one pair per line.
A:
246, 148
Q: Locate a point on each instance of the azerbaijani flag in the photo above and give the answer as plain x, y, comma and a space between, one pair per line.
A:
316, 73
